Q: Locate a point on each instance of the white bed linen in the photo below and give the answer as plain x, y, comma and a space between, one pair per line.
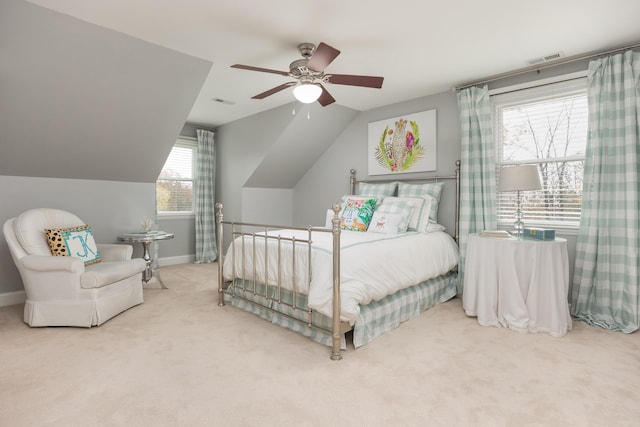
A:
372, 265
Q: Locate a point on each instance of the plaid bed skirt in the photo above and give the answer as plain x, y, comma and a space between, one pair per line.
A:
376, 318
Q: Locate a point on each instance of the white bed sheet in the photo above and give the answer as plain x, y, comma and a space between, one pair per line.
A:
372, 265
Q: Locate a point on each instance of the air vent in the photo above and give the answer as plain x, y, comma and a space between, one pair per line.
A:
545, 59
223, 101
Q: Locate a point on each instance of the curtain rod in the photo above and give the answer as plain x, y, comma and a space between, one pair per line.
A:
525, 70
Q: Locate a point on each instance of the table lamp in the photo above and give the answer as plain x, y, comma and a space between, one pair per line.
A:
519, 178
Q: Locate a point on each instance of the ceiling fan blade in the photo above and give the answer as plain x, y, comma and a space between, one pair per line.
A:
273, 90
325, 97
322, 56
264, 70
351, 80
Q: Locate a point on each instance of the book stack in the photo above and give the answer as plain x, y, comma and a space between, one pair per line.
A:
539, 233
495, 233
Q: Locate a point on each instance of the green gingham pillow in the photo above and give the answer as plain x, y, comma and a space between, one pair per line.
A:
417, 214
432, 189
402, 208
377, 190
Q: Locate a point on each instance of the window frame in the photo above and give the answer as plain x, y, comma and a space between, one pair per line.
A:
182, 142
564, 85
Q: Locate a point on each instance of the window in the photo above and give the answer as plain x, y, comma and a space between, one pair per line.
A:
546, 126
174, 187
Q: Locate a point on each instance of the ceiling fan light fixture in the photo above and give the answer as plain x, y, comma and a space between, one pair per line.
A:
307, 92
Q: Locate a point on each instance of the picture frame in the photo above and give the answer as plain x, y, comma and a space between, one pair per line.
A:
403, 144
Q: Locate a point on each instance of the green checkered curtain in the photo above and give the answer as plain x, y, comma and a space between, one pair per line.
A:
606, 276
204, 195
477, 169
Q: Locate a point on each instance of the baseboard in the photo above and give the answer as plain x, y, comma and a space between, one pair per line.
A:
12, 298
182, 259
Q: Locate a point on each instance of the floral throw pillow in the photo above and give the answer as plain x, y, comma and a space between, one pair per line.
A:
356, 214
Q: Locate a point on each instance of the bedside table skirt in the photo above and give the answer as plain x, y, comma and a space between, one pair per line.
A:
519, 284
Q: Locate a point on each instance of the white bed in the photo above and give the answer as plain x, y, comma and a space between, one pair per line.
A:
372, 265
398, 265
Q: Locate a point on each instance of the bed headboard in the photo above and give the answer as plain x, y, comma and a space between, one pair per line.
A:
353, 181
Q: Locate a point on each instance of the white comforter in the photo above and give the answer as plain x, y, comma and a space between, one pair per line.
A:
372, 265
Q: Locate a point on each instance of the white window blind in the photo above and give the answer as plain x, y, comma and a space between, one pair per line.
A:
546, 126
174, 187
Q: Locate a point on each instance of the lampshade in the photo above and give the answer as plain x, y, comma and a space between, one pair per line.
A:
519, 178
307, 92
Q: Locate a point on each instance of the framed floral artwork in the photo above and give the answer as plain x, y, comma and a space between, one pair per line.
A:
403, 144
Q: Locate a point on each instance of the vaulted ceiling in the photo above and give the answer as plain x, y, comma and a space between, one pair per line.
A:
420, 47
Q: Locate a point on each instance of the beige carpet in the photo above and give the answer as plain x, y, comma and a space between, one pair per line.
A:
180, 360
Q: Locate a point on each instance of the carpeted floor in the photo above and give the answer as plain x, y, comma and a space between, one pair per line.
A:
180, 360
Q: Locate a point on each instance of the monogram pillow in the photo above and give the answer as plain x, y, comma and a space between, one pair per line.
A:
76, 242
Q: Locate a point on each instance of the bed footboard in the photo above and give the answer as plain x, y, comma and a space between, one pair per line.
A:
270, 297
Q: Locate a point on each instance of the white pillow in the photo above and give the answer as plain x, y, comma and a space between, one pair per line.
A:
425, 218
392, 206
385, 223
329, 217
433, 226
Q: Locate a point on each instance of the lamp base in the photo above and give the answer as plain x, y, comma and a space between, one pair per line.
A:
518, 225
518, 228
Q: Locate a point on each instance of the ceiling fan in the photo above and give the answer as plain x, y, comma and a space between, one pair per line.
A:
309, 75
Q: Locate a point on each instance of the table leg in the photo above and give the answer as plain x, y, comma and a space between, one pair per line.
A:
147, 274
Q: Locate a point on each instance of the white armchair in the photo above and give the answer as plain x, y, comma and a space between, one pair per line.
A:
61, 290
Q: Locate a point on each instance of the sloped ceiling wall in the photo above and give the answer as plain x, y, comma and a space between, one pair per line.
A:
83, 102
306, 136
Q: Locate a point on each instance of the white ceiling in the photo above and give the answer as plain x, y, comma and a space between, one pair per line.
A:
420, 47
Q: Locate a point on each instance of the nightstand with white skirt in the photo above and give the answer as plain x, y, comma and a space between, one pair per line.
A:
519, 284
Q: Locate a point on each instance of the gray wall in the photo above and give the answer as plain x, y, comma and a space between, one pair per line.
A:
267, 206
84, 102
82, 110
328, 179
182, 247
290, 144
87, 119
110, 207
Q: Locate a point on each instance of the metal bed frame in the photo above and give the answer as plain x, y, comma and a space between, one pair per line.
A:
338, 328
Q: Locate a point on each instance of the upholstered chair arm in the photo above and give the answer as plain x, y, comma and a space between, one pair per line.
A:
114, 252
51, 278
52, 263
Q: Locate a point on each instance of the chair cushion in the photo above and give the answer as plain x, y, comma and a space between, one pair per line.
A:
30, 225
105, 273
